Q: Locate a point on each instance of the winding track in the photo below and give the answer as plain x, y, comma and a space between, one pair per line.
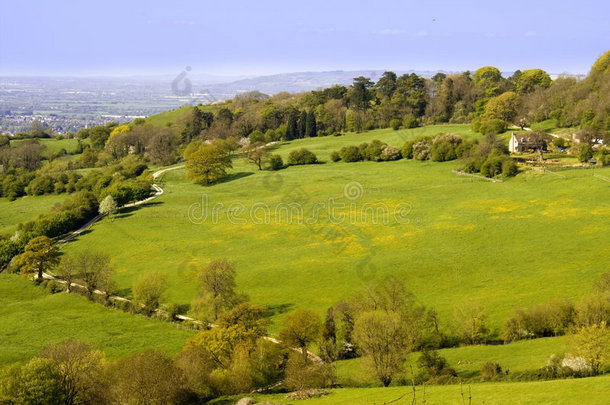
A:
158, 192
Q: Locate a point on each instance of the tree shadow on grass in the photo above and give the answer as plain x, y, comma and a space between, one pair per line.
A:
232, 177
128, 211
273, 310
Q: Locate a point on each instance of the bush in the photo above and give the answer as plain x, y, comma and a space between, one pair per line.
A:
509, 168
409, 121
434, 364
491, 370
390, 153
444, 147
492, 166
421, 150
334, 156
256, 136
407, 150
489, 125
373, 150
395, 124
350, 154
276, 162
302, 157
302, 375
585, 153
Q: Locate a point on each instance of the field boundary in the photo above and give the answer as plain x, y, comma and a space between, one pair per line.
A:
477, 176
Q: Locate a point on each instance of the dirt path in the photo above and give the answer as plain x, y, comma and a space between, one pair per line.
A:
158, 192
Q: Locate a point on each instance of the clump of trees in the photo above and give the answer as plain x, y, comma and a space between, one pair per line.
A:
374, 151
561, 317
488, 157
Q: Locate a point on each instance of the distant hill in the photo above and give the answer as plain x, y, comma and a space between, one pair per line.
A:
299, 81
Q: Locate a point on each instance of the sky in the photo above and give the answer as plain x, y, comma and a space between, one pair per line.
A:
247, 38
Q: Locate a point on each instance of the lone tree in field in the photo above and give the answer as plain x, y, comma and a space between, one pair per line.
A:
40, 255
206, 163
257, 153
301, 328
380, 335
108, 206
148, 290
217, 292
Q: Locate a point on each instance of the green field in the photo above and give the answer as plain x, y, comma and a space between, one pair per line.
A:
53, 145
173, 115
467, 361
25, 209
590, 391
462, 241
31, 318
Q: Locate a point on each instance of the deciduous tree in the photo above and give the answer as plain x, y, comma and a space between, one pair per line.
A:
206, 163
40, 255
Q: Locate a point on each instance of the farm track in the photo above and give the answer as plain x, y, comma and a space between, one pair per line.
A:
158, 191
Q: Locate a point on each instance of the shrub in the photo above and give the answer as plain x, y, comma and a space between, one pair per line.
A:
409, 121
256, 136
407, 150
421, 150
492, 166
434, 364
373, 150
444, 147
334, 156
276, 162
301, 374
585, 153
509, 168
390, 153
395, 124
350, 154
302, 157
489, 125
491, 370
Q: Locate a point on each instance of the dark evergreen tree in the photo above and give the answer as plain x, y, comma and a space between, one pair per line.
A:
292, 131
386, 84
360, 93
310, 127
302, 124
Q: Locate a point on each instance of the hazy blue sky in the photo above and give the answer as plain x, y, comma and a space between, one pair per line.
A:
256, 37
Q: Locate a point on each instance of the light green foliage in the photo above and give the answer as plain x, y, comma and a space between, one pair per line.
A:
532, 79
593, 344
148, 291
205, 163
40, 255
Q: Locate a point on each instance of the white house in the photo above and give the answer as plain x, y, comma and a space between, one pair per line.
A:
520, 143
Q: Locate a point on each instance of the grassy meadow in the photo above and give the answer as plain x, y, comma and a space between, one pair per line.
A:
523, 355
31, 318
53, 145
24, 209
458, 241
591, 391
